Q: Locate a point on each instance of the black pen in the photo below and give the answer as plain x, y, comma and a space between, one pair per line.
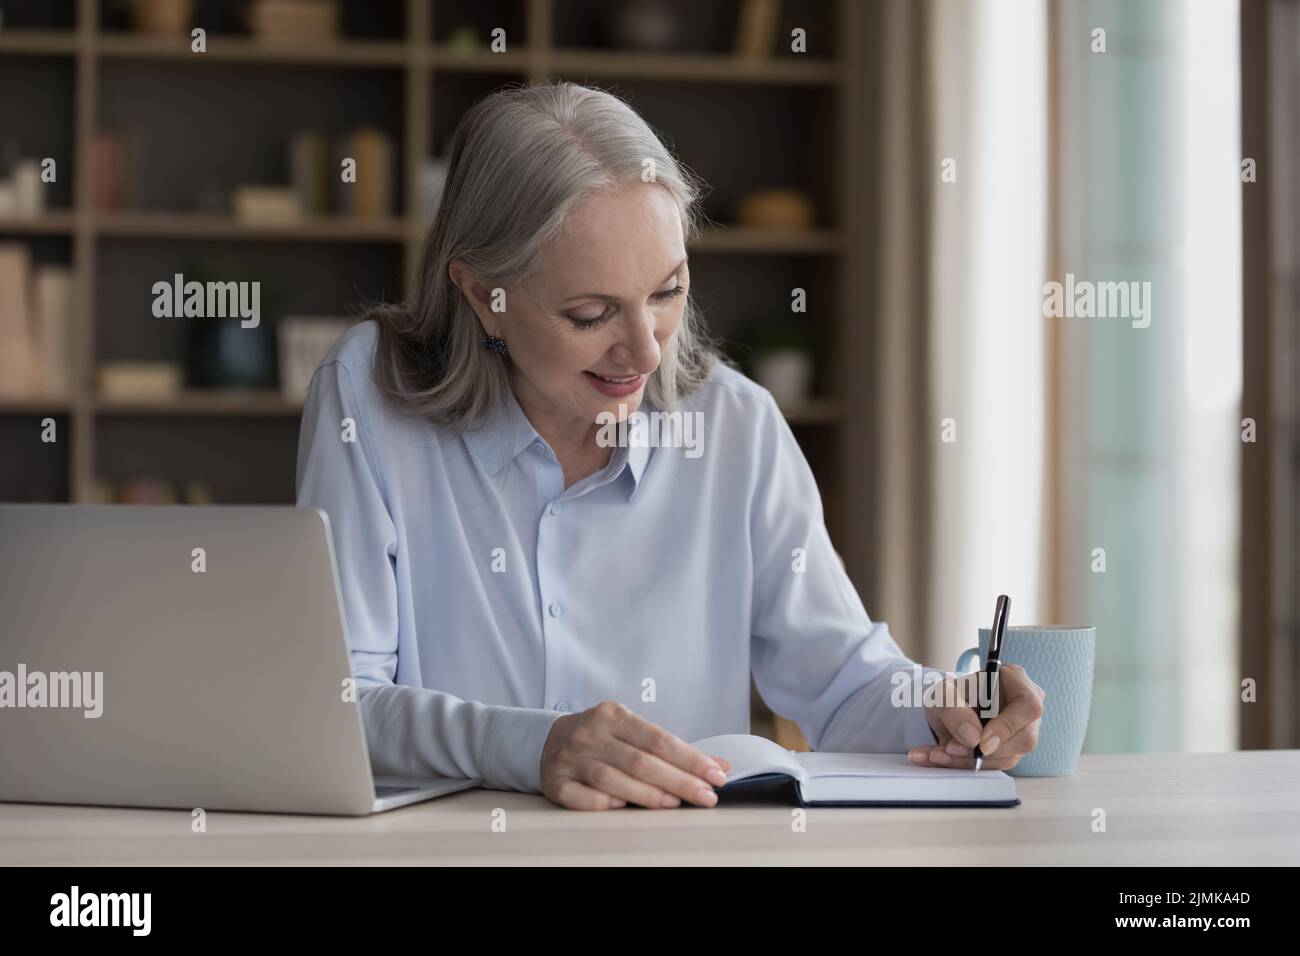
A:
991, 665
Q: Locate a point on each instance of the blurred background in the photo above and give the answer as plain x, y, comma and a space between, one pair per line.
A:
893, 182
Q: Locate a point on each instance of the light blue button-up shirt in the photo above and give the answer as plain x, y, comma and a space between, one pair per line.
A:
484, 600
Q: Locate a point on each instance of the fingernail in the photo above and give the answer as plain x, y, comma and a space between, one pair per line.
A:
670, 801
707, 796
917, 756
939, 756
716, 776
969, 735
989, 746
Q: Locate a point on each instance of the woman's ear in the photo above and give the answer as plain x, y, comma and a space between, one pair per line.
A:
475, 293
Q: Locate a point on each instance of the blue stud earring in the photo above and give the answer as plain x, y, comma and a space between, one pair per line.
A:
494, 344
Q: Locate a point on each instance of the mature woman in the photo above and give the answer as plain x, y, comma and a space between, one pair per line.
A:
537, 606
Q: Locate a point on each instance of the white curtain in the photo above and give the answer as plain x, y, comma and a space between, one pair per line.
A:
986, 342
959, 333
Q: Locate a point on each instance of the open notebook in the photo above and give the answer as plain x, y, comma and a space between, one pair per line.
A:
856, 780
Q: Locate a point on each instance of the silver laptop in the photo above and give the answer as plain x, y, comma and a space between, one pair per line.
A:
191, 657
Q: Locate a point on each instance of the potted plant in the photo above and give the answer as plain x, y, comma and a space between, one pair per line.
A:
782, 361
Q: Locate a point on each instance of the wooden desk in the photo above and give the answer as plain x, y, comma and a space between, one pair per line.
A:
1219, 809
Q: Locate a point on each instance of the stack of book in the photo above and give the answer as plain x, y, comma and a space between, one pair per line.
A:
150, 490
35, 317
316, 171
252, 203
283, 21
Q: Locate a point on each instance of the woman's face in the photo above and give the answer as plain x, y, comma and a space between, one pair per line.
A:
608, 294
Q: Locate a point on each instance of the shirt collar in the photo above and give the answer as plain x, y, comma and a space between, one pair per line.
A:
501, 437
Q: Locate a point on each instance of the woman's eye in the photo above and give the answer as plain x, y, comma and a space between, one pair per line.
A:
592, 323
608, 314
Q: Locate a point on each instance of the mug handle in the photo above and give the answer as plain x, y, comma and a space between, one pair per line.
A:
962, 663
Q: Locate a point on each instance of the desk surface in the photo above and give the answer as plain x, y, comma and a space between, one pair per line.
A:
1165, 809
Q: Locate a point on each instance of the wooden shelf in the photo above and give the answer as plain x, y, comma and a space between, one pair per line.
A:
220, 49
742, 239
395, 54
450, 60
181, 225
204, 402
34, 405
38, 42
51, 222
693, 68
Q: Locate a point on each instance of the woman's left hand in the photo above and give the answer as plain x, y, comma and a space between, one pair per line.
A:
1003, 741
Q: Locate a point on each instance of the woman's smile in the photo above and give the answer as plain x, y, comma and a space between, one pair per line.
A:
615, 387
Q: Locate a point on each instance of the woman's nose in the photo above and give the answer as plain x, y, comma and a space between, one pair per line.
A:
639, 349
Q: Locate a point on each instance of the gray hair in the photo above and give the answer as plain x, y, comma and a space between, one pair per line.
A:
521, 161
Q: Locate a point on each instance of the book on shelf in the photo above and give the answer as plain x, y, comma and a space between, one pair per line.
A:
756, 29
139, 380
150, 490
35, 317
271, 204
15, 337
373, 193
309, 171
119, 164
52, 286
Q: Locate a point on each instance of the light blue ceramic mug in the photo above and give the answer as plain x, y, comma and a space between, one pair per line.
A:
1059, 660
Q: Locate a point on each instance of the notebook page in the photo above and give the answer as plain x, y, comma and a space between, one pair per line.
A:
750, 755
874, 765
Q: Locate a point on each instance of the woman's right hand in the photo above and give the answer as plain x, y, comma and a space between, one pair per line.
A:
608, 756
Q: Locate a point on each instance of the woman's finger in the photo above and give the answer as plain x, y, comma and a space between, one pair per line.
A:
647, 768
1023, 742
630, 727
1022, 704
574, 795
609, 779
1008, 755
961, 724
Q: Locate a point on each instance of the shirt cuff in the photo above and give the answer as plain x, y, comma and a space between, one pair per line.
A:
512, 748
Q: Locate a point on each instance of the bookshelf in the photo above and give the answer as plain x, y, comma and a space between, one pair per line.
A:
785, 120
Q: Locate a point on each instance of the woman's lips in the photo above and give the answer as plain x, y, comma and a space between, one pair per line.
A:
614, 389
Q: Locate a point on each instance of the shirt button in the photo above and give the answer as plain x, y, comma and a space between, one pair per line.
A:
562, 706
555, 610
555, 508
